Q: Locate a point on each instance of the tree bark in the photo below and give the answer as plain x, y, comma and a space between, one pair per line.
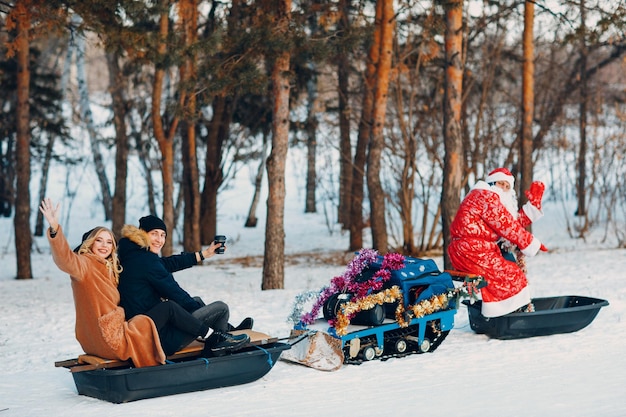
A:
143, 154
274, 259
188, 10
165, 140
345, 145
7, 180
190, 185
581, 211
363, 139
311, 145
117, 90
251, 220
213, 174
377, 142
528, 102
218, 131
43, 184
453, 140
21, 221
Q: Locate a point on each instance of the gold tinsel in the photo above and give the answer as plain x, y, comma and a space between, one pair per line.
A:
421, 309
349, 309
436, 303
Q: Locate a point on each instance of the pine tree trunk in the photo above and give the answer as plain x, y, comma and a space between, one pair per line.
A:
453, 141
191, 192
218, 131
581, 184
43, 184
377, 141
251, 221
406, 195
213, 175
165, 140
188, 10
7, 191
21, 221
274, 259
528, 102
144, 160
345, 145
117, 89
365, 129
311, 144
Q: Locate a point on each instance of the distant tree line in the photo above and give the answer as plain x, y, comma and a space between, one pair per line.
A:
411, 100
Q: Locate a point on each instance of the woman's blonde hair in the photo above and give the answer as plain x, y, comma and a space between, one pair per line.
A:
112, 261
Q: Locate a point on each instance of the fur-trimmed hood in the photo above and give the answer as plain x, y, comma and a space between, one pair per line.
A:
136, 235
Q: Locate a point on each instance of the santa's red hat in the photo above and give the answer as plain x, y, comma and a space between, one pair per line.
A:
501, 174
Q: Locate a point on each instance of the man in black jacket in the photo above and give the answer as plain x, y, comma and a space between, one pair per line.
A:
146, 280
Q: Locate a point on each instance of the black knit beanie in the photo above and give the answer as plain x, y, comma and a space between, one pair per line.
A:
151, 222
85, 236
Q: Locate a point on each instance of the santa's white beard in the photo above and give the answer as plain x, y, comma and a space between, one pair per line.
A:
508, 199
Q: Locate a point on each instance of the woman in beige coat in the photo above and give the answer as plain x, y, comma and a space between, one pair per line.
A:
93, 267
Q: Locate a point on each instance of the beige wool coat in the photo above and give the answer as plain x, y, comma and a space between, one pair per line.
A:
101, 328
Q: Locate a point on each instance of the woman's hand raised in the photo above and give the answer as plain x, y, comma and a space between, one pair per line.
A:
51, 212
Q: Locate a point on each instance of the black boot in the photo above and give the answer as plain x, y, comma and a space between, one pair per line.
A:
246, 324
220, 343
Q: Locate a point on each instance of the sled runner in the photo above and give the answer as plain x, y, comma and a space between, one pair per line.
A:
552, 315
185, 371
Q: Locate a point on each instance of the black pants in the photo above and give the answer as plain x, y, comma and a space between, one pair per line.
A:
215, 314
176, 326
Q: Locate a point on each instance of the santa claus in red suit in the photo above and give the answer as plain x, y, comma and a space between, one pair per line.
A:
487, 219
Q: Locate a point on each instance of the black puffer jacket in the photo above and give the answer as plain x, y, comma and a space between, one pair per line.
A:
147, 278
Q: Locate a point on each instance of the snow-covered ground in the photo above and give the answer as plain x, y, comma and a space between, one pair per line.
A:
576, 374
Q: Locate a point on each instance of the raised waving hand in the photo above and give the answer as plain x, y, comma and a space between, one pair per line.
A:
51, 212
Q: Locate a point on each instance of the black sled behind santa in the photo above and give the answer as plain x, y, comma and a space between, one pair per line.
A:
551, 315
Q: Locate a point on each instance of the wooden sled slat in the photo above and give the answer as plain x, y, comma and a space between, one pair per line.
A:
87, 362
256, 338
66, 363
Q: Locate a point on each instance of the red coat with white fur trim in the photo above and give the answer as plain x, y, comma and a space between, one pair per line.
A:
101, 328
480, 221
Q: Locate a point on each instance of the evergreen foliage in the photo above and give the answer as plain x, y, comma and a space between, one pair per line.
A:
46, 120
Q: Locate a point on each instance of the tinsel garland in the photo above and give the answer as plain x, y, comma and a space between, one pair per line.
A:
347, 283
393, 294
423, 308
340, 283
299, 302
351, 308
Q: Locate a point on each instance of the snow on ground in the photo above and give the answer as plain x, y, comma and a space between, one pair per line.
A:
576, 374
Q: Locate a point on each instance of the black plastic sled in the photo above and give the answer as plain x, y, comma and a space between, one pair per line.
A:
124, 384
552, 315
